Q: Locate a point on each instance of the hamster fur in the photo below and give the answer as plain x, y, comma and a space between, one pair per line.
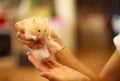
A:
39, 28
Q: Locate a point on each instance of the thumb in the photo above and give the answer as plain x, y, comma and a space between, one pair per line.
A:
48, 75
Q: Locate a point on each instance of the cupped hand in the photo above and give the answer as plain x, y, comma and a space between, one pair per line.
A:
55, 71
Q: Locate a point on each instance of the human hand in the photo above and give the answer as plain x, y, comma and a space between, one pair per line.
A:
55, 71
20, 26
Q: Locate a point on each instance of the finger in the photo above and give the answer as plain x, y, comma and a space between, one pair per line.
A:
32, 44
22, 36
19, 26
48, 75
29, 42
55, 63
37, 46
36, 63
49, 64
32, 59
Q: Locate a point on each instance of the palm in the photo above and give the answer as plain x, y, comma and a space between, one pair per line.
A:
54, 71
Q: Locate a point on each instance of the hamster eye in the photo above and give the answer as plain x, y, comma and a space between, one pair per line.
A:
39, 30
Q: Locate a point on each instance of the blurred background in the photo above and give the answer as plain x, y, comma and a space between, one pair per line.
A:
86, 27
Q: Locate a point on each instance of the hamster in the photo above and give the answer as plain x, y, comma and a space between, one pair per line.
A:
38, 28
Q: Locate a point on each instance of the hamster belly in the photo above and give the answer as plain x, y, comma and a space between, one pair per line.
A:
40, 54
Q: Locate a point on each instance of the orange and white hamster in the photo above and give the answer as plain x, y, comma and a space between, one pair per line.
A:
38, 28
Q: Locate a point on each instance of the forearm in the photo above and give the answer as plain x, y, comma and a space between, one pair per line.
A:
66, 57
111, 71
